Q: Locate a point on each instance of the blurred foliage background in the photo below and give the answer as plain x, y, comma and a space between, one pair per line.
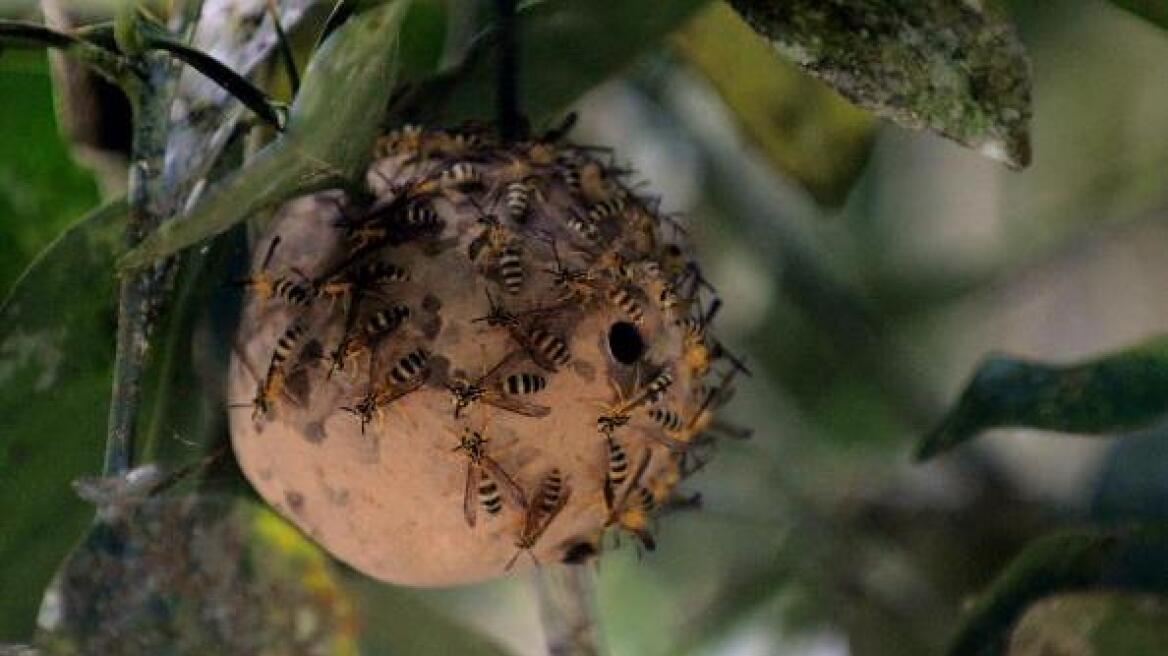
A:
866, 270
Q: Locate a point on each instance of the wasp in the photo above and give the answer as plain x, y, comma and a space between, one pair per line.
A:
620, 413
408, 137
703, 417
583, 226
344, 286
459, 143
406, 216
543, 150
605, 209
273, 381
666, 419
545, 348
407, 375
378, 325
484, 477
586, 179
577, 284
293, 292
524, 383
545, 505
384, 321
465, 394
502, 249
618, 468
624, 300
631, 511
511, 269
696, 352
461, 177
517, 200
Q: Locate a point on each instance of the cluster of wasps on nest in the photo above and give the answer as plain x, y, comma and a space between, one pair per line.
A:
547, 236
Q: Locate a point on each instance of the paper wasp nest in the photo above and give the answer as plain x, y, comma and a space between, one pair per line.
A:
500, 354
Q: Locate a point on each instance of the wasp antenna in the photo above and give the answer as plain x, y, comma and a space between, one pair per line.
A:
560, 131
270, 253
511, 563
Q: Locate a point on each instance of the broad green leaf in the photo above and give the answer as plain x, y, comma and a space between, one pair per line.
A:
56, 354
197, 574
566, 48
1093, 624
41, 190
1154, 11
1127, 558
1110, 394
805, 129
400, 620
949, 66
330, 130
181, 417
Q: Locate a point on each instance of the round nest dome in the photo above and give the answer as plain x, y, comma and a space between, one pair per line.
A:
497, 353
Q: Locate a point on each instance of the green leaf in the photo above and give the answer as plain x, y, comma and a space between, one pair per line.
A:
56, 354
181, 417
566, 48
331, 128
401, 620
41, 190
1126, 558
805, 129
1111, 394
947, 66
1154, 11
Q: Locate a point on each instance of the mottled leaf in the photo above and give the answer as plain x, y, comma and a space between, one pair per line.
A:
806, 130
1126, 558
1154, 11
56, 354
949, 66
330, 130
566, 48
1092, 624
196, 574
1111, 394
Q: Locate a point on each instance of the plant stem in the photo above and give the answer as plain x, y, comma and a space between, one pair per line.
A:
567, 608
511, 121
141, 294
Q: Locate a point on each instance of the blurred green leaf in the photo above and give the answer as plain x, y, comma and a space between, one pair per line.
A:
1154, 11
947, 66
56, 354
41, 190
567, 47
1125, 558
395, 620
806, 130
197, 575
1111, 394
1093, 624
331, 129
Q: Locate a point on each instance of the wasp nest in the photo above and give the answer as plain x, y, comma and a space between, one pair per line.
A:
503, 349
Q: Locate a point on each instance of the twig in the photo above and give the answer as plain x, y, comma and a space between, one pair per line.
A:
511, 123
567, 608
141, 294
